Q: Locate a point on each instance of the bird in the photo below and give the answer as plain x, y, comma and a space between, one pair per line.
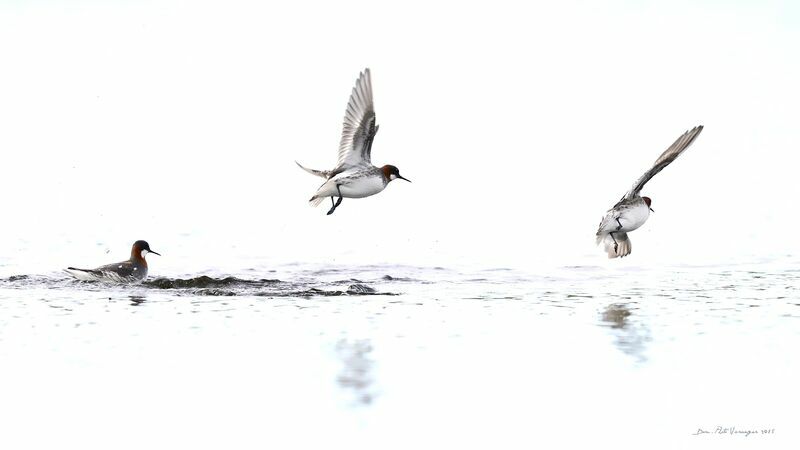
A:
354, 176
132, 270
632, 210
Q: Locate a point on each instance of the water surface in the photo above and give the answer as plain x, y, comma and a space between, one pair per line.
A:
390, 356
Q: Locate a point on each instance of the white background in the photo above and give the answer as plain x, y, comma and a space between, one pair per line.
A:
518, 123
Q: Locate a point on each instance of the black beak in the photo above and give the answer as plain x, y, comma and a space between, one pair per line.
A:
159, 254
404, 178
651, 209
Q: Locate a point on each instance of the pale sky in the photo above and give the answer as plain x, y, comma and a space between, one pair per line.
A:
519, 123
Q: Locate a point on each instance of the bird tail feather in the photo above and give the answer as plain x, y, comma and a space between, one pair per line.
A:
622, 246
316, 200
319, 173
80, 274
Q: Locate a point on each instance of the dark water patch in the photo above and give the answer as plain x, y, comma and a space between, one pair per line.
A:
348, 281
203, 282
14, 278
352, 290
16, 281
203, 286
313, 292
329, 271
215, 292
360, 289
392, 278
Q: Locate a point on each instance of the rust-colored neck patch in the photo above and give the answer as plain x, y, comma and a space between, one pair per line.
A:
136, 255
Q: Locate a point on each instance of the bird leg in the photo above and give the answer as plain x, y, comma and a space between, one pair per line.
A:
615, 241
338, 202
620, 224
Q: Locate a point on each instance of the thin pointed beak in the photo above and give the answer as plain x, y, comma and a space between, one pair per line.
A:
404, 178
651, 209
159, 254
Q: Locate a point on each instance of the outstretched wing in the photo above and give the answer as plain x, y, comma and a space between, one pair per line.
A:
359, 125
664, 160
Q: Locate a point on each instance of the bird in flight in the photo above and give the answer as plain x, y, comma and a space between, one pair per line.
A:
632, 210
354, 175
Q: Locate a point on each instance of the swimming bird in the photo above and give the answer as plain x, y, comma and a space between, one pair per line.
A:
354, 175
632, 210
132, 270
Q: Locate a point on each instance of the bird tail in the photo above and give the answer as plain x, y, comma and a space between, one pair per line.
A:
80, 274
319, 173
316, 200
616, 246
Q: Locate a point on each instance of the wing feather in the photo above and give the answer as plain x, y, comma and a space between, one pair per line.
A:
359, 127
669, 155
121, 271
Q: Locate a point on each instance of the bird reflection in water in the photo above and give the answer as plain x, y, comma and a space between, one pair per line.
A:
631, 336
356, 373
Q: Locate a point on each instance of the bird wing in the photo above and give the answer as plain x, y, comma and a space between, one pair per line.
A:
664, 160
121, 271
124, 269
605, 225
83, 274
359, 126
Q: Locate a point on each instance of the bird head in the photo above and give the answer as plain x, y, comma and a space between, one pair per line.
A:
647, 201
140, 249
392, 173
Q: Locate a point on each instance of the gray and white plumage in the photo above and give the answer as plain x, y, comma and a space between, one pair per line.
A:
666, 158
358, 131
359, 127
122, 272
354, 176
132, 270
633, 210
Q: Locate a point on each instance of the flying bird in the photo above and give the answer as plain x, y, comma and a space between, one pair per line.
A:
632, 210
354, 175
132, 270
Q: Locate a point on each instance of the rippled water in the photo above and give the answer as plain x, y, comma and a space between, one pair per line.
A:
303, 356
